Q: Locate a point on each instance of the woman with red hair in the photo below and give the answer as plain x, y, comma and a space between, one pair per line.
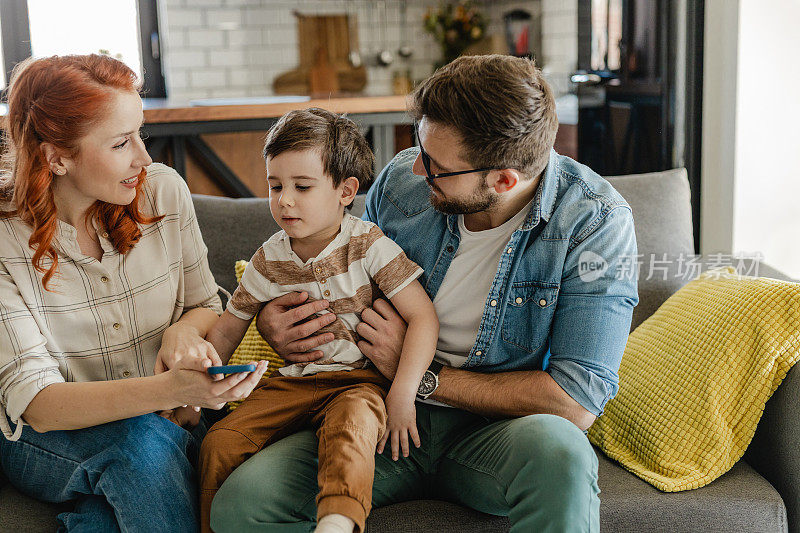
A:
105, 297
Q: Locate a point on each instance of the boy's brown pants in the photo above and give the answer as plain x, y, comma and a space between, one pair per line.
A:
349, 410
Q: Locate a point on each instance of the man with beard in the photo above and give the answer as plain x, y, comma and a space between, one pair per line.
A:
522, 250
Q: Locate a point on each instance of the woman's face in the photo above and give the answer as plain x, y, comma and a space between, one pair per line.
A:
110, 159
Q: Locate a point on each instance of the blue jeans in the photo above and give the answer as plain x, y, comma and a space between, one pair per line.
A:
133, 475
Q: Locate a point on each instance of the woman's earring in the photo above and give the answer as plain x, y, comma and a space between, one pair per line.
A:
60, 171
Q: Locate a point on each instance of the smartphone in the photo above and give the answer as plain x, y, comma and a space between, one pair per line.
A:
231, 369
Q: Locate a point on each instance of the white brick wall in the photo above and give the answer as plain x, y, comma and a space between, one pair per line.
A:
222, 48
559, 55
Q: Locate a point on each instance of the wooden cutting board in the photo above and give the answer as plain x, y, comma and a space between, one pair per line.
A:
324, 44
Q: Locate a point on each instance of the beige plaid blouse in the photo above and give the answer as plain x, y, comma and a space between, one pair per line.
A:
101, 320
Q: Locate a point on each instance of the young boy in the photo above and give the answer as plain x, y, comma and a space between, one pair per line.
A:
316, 162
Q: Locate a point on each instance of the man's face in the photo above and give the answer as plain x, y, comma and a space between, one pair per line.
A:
455, 195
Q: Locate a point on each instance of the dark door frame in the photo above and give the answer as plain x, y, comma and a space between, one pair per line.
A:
695, 21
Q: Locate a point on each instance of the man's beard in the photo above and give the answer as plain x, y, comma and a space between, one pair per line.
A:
480, 199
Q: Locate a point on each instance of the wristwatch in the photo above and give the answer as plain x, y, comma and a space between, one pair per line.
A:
430, 381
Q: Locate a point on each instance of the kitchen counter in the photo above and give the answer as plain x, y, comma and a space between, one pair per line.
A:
199, 129
161, 111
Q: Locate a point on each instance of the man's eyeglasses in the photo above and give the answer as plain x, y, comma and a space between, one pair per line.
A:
426, 162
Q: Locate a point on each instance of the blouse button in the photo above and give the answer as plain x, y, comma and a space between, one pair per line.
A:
493, 303
322, 281
518, 300
126, 374
105, 235
104, 279
116, 325
327, 293
542, 302
318, 270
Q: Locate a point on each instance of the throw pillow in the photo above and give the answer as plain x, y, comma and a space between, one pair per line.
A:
696, 375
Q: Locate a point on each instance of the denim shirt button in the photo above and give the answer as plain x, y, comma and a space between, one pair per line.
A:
449, 249
518, 300
493, 303
542, 302
509, 250
479, 353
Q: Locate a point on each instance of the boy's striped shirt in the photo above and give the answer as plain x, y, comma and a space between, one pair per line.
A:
349, 273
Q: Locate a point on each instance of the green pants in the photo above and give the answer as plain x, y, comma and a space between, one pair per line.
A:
538, 470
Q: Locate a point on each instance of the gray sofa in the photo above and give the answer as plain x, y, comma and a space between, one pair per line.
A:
757, 494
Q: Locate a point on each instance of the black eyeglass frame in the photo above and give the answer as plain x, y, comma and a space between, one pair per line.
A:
426, 162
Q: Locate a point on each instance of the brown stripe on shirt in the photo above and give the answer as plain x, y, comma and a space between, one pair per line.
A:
336, 262
394, 273
339, 260
340, 331
358, 364
244, 301
362, 299
286, 272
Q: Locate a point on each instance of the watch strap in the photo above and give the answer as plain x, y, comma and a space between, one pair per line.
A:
435, 367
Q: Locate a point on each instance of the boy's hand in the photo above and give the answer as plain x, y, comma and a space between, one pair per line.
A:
401, 423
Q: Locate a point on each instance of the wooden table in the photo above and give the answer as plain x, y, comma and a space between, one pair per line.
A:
178, 127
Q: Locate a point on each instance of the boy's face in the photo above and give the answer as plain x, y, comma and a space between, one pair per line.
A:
302, 198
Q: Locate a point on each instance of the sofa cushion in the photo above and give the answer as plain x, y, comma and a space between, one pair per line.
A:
696, 375
740, 501
22, 513
232, 228
662, 210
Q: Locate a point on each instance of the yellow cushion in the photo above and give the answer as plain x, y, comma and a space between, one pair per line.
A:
696, 375
253, 346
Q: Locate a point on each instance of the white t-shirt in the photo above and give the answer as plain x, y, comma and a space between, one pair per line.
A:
462, 296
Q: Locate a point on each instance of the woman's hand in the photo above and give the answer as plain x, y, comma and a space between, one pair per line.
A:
197, 387
183, 347
400, 424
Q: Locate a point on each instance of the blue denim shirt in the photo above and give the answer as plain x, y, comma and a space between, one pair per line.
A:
561, 300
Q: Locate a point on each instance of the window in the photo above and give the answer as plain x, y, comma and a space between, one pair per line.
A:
125, 29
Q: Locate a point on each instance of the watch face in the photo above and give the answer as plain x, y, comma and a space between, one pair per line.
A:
428, 384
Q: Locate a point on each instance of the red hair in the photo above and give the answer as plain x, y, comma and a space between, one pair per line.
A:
57, 100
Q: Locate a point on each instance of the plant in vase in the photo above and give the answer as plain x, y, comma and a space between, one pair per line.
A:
455, 26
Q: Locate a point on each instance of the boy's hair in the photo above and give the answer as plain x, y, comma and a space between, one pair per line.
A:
501, 106
344, 150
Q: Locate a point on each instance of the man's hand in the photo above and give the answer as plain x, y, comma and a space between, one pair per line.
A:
283, 323
382, 330
185, 417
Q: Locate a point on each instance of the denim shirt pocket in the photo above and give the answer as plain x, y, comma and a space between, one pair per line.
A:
529, 314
